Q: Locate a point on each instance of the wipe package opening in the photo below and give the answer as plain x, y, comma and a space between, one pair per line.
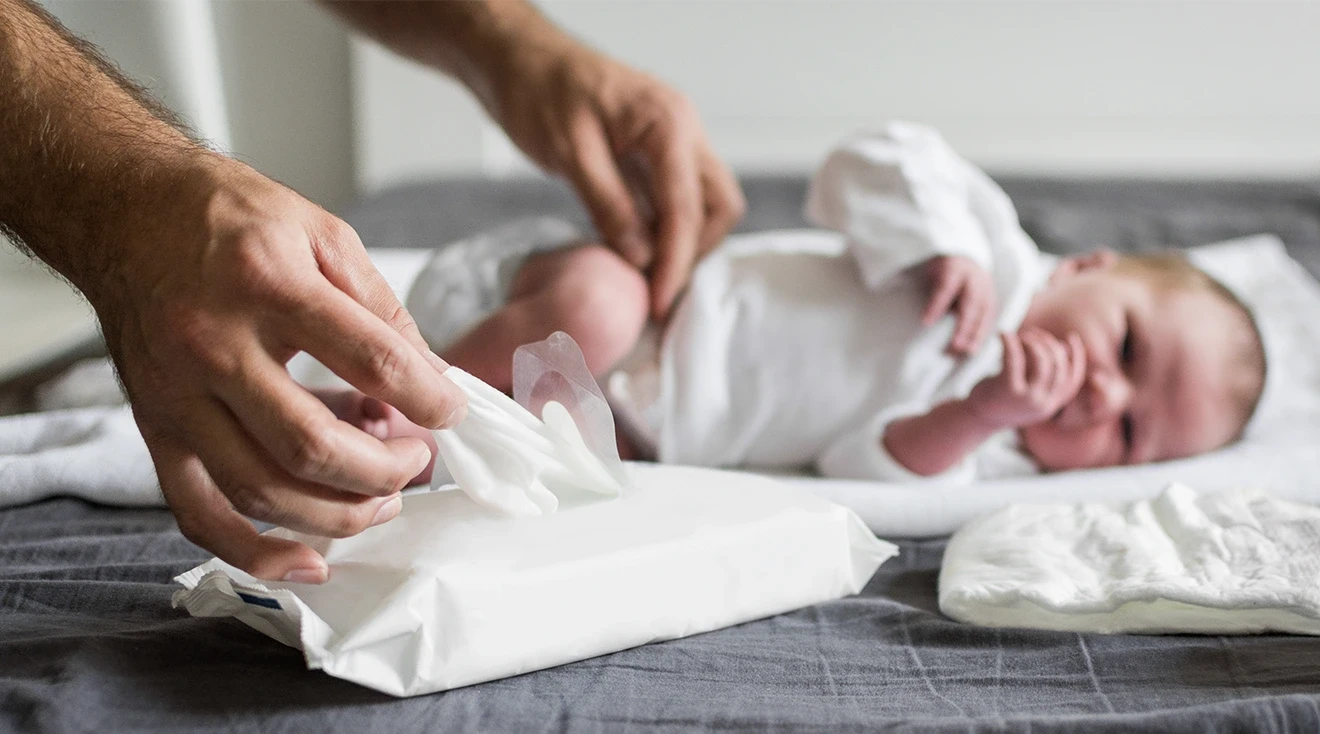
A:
547, 553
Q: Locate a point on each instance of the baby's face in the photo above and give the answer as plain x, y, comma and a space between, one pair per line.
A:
1158, 371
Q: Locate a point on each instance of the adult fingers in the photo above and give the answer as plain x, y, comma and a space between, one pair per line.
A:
345, 263
676, 194
207, 519
594, 172
724, 202
305, 438
257, 488
374, 358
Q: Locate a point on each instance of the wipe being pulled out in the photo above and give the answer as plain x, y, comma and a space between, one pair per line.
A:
506, 459
552, 551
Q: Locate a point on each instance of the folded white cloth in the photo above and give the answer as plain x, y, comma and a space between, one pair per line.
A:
1236, 562
93, 453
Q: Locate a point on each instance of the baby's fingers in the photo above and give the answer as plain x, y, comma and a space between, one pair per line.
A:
1040, 364
980, 293
1076, 366
971, 311
946, 291
1014, 362
985, 323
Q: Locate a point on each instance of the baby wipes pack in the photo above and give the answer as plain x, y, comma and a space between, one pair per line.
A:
548, 551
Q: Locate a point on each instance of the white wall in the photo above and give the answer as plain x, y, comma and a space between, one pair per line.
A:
1150, 87
1197, 87
285, 68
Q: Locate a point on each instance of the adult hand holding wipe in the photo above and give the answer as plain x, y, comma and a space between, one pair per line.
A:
551, 553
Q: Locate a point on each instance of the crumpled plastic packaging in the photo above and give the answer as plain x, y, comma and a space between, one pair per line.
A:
547, 554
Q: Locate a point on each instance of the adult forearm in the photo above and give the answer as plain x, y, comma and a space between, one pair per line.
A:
936, 441
476, 41
82, 151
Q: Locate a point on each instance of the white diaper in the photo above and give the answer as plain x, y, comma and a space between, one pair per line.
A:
465, 281
1236, 562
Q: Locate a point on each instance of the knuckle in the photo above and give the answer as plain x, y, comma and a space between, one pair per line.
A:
255, 263
252, 500
191, 527
353, 520
387, 366
339, 232
312, 452
401, 320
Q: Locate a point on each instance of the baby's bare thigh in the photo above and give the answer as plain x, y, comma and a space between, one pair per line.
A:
589, 292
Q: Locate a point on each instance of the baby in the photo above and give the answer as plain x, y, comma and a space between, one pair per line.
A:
861, 350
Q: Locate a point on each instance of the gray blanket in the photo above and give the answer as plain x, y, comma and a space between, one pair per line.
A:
88, 641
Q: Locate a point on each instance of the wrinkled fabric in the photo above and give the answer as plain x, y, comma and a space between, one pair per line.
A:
1237, 562
795, 349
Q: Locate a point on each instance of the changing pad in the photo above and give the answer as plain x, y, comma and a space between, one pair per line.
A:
1235, 562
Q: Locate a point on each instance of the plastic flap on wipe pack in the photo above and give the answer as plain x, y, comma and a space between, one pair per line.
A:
549, 554
507, 459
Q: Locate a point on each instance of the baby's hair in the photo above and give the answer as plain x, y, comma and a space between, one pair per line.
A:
1173, 271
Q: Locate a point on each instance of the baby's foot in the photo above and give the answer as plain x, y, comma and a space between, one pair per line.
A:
381, 420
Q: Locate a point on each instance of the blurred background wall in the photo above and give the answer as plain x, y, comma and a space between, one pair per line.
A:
1160, 88
1219, 88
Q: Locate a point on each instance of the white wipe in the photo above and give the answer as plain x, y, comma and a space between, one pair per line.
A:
1236, 562
552, 552
506, 459
451, 593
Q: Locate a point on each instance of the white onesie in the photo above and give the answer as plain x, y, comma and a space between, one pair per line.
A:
795, 349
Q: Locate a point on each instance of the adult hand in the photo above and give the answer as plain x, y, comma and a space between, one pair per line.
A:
603, 126
211, 292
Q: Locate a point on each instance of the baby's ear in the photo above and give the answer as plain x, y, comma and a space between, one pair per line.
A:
1094, 260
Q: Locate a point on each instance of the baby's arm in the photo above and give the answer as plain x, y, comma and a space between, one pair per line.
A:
1041, 374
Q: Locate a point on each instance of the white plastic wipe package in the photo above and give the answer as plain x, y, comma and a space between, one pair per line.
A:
553, 551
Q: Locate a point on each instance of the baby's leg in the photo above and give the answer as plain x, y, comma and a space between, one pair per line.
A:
588, 292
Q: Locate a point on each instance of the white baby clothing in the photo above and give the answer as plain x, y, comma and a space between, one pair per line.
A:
797, 348
794, 349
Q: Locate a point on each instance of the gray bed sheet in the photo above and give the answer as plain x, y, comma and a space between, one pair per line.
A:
88, 641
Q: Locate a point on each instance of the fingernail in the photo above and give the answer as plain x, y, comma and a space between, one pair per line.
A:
439, 364
455, 416
387, 511
306, 576
423, 460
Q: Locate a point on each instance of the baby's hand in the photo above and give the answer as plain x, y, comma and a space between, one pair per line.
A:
1041, 375
959, 285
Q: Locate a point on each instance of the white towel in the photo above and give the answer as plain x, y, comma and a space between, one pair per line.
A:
1236, 562
93, 453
